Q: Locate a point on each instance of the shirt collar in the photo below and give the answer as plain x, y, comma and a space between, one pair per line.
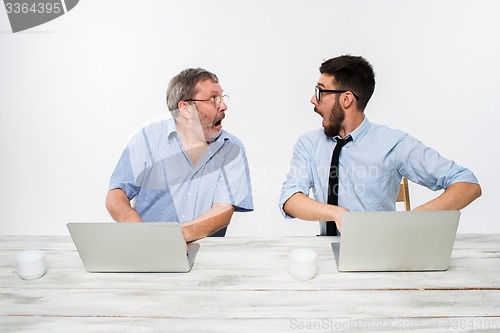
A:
360, 131
171, 128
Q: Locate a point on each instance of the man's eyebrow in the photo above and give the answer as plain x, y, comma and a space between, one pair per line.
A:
319, 84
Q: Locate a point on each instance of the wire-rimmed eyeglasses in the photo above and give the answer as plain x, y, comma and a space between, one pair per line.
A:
217, 100
318, 92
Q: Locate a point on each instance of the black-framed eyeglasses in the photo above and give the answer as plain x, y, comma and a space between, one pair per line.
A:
217, 100
318, 92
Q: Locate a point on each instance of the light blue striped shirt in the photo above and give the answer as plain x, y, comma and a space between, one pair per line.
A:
155, 170
370, 168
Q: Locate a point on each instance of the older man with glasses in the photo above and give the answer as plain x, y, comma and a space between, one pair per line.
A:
365, 174
185, 169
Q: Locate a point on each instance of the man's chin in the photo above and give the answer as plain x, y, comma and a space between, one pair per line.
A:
330, 132
213, 135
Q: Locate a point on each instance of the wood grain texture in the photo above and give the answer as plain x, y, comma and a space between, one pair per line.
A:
242, 284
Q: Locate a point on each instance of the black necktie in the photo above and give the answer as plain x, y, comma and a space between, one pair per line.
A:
333, 183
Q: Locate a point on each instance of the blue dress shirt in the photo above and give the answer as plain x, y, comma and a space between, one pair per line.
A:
155, 170
370, 168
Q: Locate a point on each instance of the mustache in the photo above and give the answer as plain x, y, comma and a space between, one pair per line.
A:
218, 118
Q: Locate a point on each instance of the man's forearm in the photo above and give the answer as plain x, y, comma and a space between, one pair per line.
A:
456, 196
213, 220
303, 207
118, 206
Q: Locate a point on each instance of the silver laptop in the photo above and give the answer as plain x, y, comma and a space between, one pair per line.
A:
396, 241
133, 247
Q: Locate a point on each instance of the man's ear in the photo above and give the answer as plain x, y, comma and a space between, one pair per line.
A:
347, 100
185, 109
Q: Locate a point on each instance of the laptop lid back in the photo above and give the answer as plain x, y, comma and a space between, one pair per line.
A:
396, 241
132, 247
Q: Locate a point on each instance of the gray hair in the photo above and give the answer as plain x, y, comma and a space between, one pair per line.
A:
183, 86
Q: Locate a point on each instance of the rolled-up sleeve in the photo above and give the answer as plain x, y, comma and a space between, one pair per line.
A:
300, 177
129, 171
425, 166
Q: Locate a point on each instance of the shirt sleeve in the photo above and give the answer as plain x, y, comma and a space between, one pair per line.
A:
425, 166
123, 178
300, 177
129, 171
234, 185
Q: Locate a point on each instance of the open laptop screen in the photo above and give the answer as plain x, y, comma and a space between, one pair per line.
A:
133, 247
396, 241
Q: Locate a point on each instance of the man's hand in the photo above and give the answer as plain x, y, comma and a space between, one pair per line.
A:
340, 213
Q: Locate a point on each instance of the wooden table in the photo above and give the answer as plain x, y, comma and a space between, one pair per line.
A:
242, 285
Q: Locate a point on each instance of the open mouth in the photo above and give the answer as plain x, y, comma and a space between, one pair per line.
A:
219, 122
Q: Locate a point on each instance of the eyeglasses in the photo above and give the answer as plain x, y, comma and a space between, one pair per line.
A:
318, 92
217, 100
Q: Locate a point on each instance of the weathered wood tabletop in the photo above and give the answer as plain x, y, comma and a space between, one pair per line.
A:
242, 285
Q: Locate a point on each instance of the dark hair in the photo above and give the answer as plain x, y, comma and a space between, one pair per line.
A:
183, 86
352, 73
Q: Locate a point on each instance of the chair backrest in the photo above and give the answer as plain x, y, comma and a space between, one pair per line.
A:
404, 194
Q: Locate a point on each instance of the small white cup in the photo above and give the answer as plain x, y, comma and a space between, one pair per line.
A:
31, 264
302, 264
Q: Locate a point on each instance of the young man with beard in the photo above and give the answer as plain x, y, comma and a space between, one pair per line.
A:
372, 161
185, 169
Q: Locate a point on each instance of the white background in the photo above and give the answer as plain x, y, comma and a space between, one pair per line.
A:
73, 91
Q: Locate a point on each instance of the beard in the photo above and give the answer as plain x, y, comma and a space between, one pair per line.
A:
208, 125
335, 120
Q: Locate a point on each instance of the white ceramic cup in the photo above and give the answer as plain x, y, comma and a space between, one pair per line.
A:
302, 264
31, 264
